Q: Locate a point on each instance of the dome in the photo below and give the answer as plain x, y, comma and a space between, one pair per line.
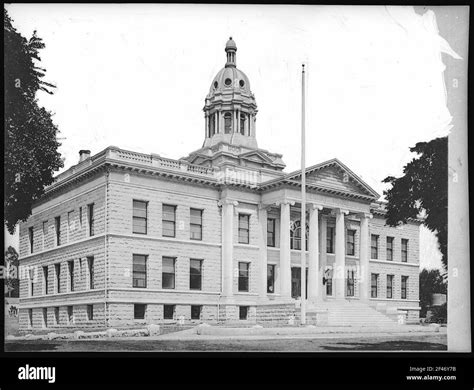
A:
230, 107
230, 80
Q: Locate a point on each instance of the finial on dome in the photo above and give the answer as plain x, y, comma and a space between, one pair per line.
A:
230, 49
230, 45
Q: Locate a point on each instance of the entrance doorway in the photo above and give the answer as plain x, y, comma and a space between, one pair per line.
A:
296, 282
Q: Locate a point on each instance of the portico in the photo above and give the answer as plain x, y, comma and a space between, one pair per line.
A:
316, 252
329, 260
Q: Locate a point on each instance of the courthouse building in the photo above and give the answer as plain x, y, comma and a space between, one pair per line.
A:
125, 238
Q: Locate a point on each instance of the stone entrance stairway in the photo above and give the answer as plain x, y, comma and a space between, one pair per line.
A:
350, 313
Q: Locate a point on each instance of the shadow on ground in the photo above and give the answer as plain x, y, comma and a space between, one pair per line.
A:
403, 345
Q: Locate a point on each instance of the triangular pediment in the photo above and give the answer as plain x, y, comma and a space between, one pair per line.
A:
256, 156
334, 175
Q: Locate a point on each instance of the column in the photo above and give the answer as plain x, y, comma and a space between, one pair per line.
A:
324, 230
227, 245
236, 127
364, 281
339, 271
285, 256
314, 277
206, 130
262, 220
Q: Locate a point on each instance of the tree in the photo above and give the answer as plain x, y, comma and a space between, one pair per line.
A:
31, 146
431, 282
12, 278
423, 189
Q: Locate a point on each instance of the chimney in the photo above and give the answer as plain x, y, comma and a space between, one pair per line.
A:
83, 155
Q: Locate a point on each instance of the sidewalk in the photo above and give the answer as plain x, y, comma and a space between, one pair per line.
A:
206, 332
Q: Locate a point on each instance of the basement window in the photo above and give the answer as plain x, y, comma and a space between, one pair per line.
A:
243, 312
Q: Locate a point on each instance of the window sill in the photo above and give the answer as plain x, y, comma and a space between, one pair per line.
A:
245, 293
394, 262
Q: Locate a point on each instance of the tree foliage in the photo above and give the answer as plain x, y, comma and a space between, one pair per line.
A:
31, 146
12, 278
423, 189
431, 282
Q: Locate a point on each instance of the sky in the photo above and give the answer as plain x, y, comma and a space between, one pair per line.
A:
136, 76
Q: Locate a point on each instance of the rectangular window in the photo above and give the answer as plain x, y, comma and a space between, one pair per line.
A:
45, 280
243, 312
70, 315
139, 311
374, 246
270, 278
80, 217
140, 215
56, 315
404, 250
390, 248
57, 225
90, 312
196, 312
243, 276
350, 247
374, 285
45, 317
271, 232
57, 271
90, 214
168, 272
70, 266
404, 287
70, 225
168, 312
244, 221
31, 274
90, 267
45, 233
139, 271
31, 238
30, 318
389, 286
350, 283
330, 240
195, 274
169, 221
196, 224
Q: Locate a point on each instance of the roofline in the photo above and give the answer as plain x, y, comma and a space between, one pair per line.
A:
288, 176
115, 157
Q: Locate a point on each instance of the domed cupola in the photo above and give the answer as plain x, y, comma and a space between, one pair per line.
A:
230, 108
230, 112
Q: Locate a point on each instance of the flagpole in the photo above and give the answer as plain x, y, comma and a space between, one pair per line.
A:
303, 203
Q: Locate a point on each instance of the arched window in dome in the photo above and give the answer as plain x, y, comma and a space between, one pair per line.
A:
227, 123
295, 236
242, 124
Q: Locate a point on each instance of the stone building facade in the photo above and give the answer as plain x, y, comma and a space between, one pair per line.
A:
125, 238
